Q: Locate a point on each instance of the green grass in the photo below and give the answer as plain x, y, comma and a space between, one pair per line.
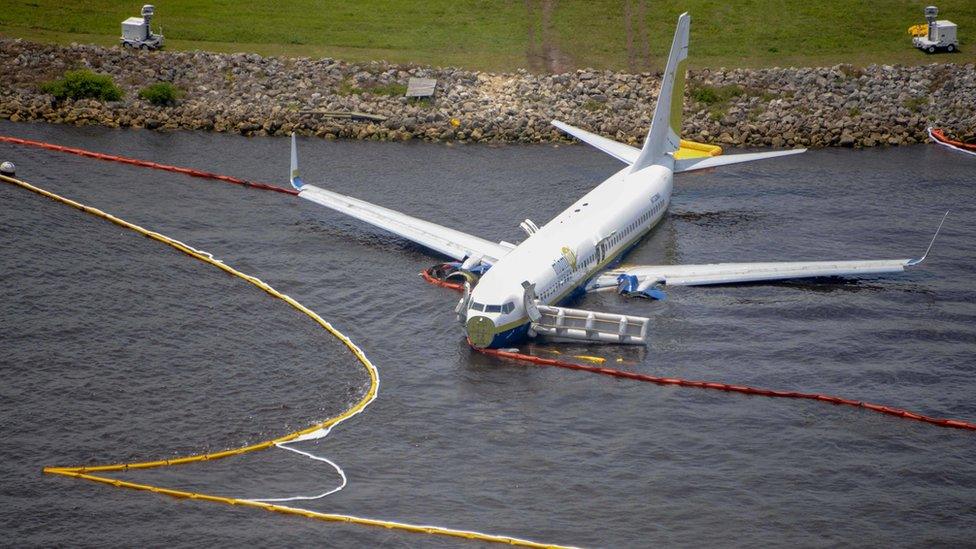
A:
508, 34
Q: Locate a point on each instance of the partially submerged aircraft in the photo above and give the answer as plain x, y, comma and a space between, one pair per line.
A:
516, 295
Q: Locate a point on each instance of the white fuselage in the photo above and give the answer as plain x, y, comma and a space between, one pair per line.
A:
568, 250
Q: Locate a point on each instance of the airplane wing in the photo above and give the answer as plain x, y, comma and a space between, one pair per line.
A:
730, 273
445, 240
450, 242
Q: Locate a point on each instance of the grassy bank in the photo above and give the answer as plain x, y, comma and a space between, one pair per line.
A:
540, 35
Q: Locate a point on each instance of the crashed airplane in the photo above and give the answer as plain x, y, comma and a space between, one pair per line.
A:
512, 291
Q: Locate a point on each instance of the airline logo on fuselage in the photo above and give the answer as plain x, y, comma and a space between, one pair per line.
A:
570, 256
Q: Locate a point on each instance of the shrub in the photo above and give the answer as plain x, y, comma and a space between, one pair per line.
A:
161, 94
83, 84
716, 98
711, 95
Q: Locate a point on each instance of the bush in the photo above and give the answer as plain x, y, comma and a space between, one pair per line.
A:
711, 95
83, 84
161, 94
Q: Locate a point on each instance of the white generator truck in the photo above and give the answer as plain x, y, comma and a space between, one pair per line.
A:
136, 33
937, 35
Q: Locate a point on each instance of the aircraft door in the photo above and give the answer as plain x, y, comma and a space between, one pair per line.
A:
601, 250
462, 307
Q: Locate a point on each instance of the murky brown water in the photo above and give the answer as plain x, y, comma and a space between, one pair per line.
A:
116, 347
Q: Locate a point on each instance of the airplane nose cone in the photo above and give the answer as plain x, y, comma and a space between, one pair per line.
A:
481, 330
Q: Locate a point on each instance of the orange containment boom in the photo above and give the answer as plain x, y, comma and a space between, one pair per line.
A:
147, 164
939, 137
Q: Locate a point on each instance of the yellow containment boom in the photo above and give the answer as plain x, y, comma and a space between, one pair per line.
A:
692, 149
86, 471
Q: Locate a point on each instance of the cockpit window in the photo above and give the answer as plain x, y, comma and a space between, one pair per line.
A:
506, 308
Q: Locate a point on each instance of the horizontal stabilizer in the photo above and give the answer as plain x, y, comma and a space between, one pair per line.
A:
691, 164
627, 154
620, 151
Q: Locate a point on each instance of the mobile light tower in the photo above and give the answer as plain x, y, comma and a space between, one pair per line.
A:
137, 34
937, 35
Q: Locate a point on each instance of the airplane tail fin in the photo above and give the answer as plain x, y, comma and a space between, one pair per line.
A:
664, 136
296, 180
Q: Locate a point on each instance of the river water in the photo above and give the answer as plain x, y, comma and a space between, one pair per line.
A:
118, 348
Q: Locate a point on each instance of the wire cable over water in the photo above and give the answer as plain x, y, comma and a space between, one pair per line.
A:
316, 431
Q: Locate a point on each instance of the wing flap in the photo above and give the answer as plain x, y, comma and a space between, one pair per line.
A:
445, 240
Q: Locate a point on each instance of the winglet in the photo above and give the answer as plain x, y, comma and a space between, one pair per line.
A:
912, 262
296, 180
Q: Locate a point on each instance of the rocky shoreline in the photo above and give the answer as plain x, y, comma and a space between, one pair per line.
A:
254, 95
